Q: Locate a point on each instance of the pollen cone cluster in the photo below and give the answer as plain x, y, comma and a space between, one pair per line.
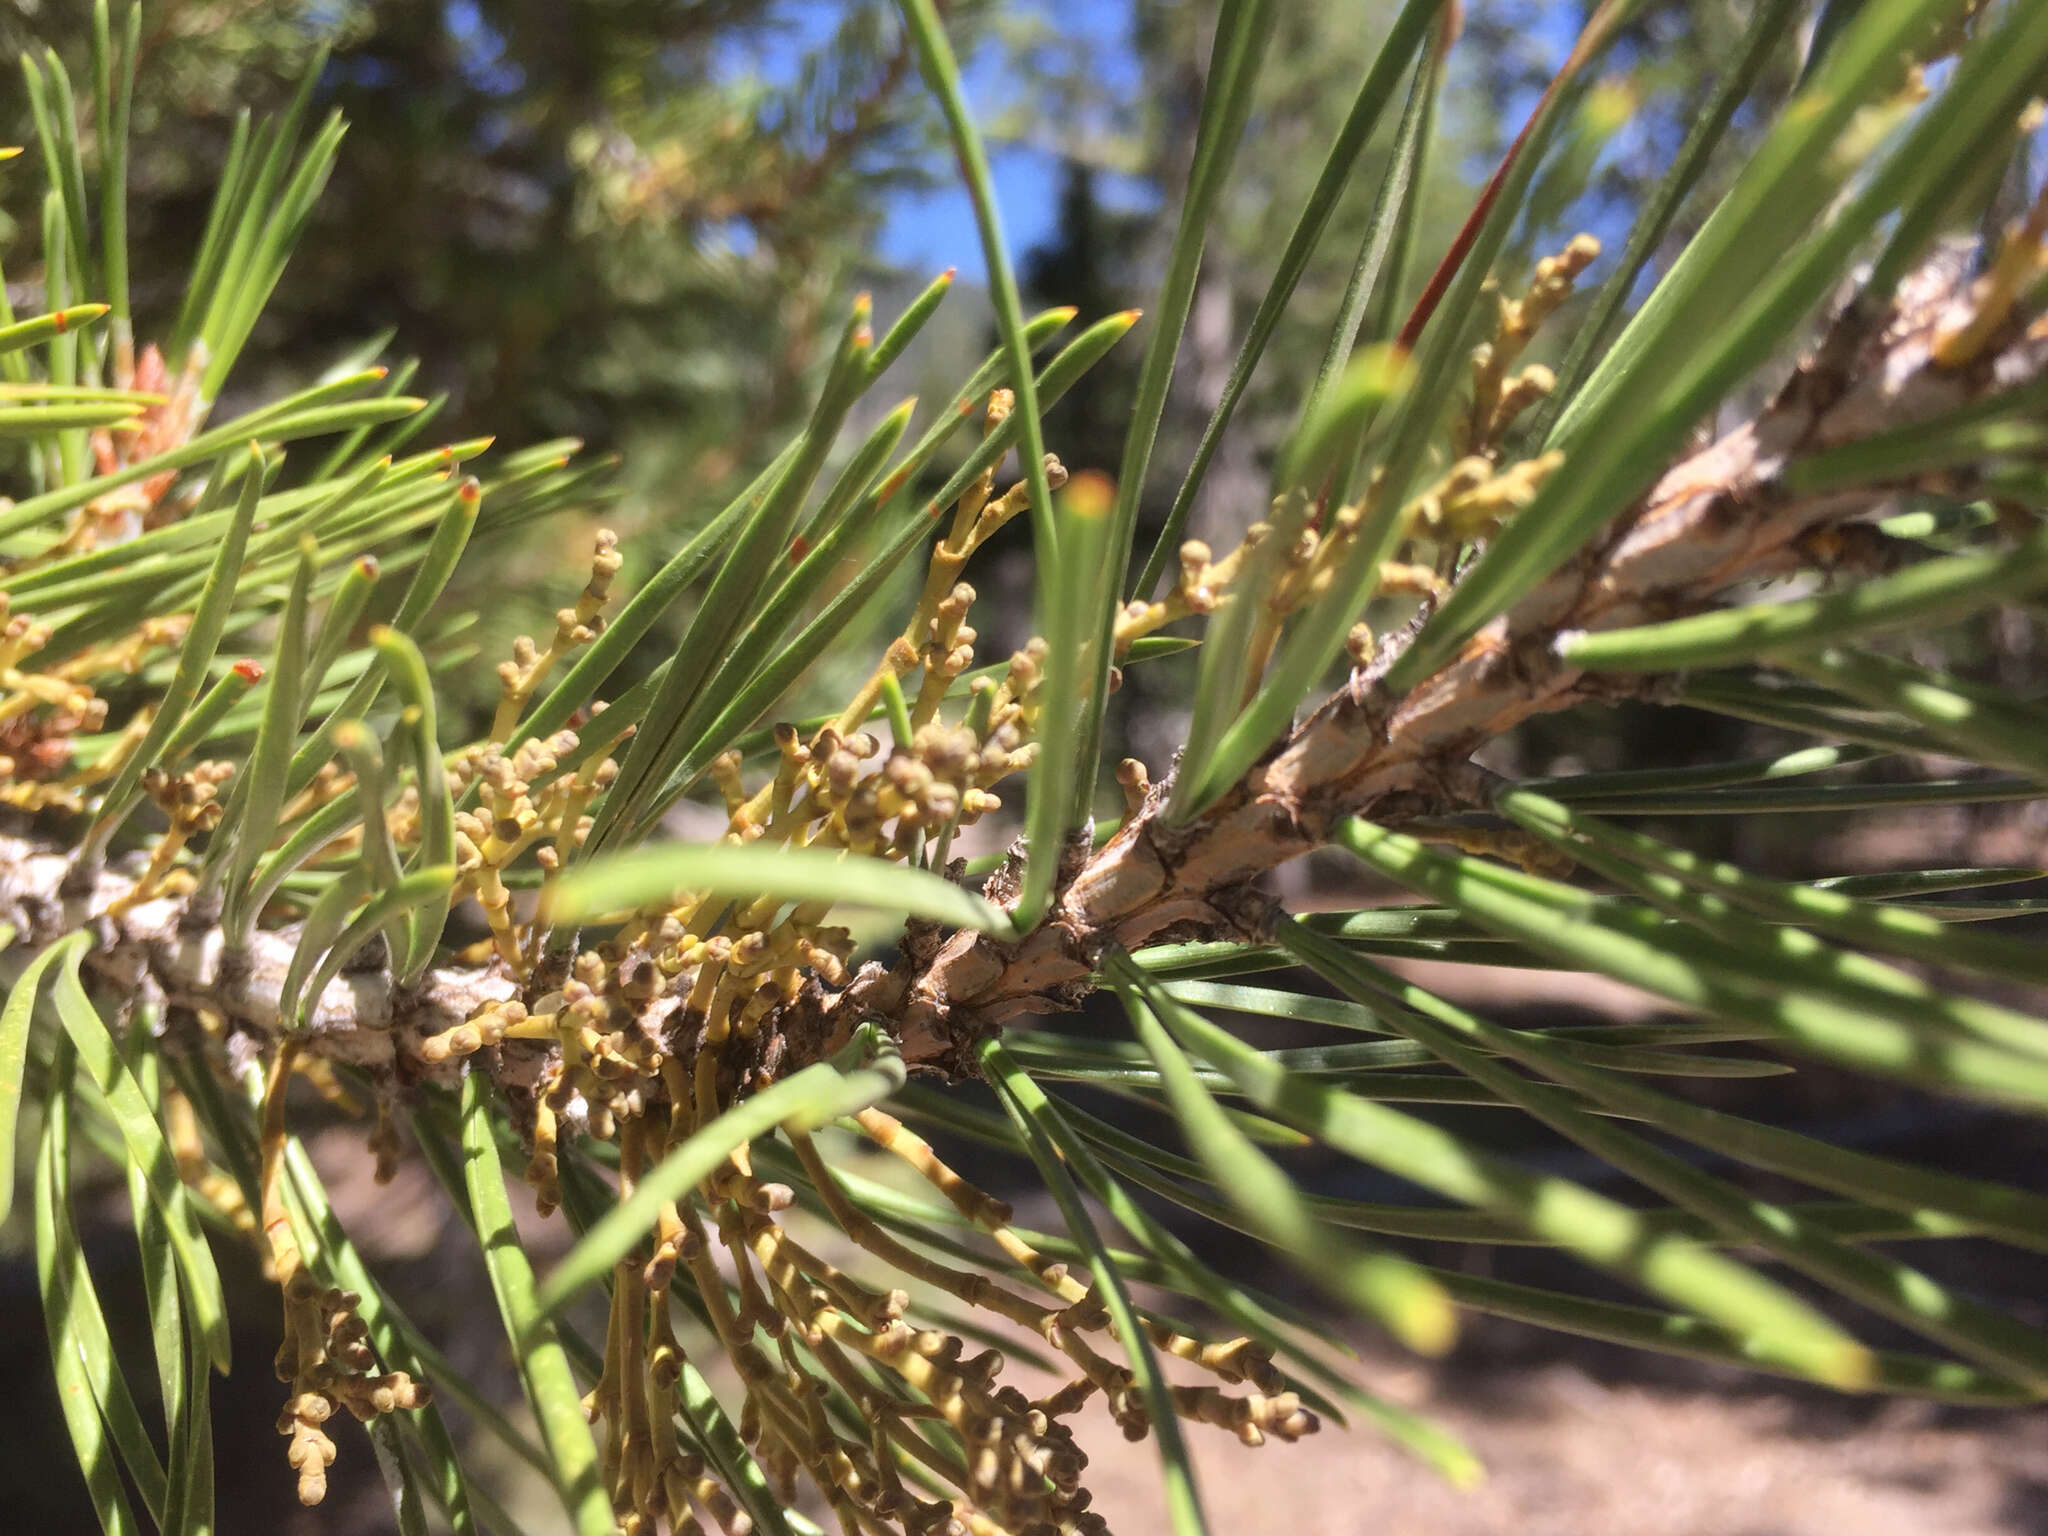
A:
869, 1356
854, 1394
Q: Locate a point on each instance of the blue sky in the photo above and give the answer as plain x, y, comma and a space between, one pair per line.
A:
935, 229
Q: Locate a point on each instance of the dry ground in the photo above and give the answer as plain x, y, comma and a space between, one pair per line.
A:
1569, 1454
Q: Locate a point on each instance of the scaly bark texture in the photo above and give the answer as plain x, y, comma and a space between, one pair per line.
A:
1721, 517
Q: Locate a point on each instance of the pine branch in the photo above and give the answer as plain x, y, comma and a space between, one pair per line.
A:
165, 948
1725, 515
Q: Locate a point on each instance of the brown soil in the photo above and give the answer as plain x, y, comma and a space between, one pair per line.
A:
1569, 1454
